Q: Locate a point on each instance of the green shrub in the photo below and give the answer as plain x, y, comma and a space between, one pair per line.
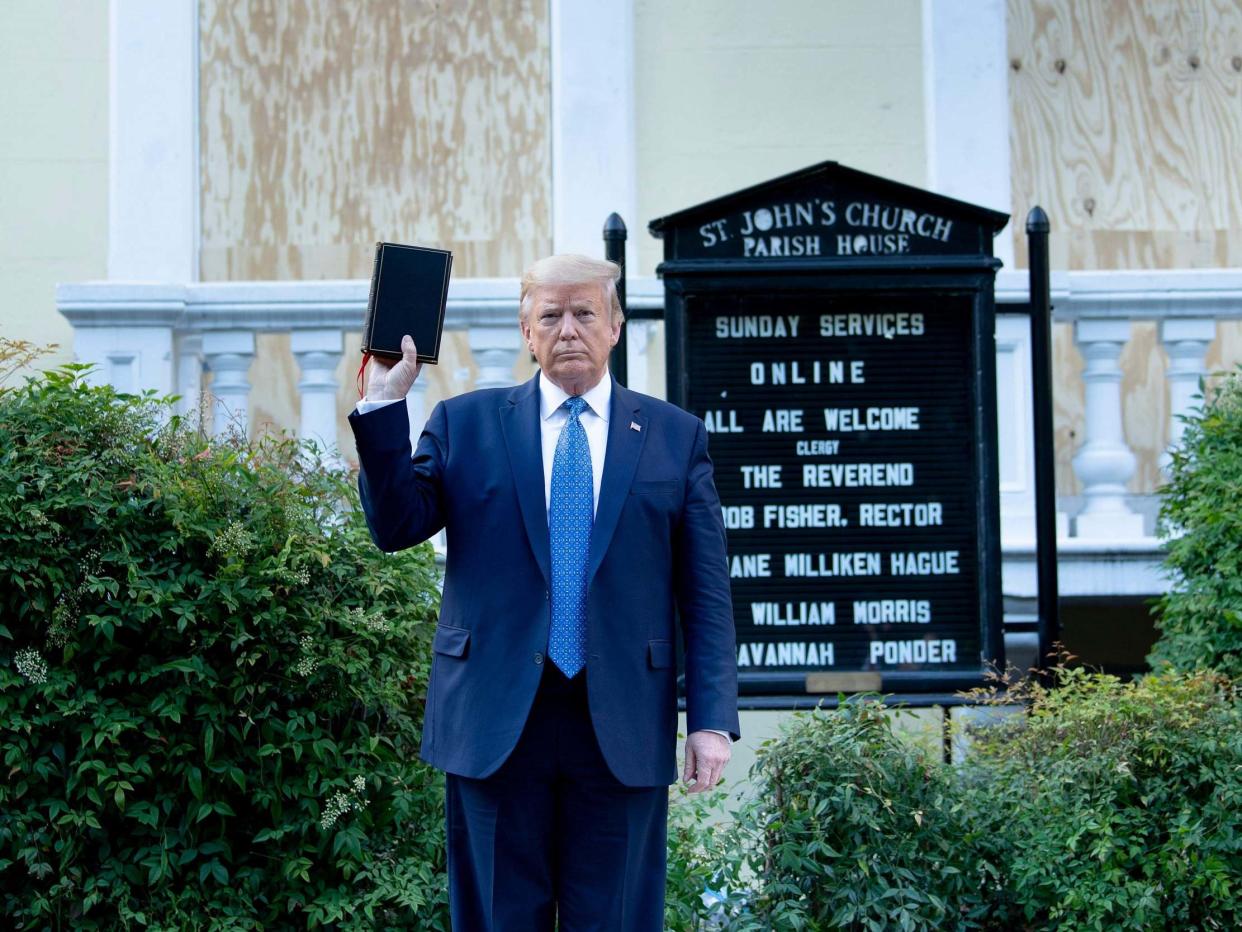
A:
1108, 805
1116, 805
1201, 616
850, 827
210, 681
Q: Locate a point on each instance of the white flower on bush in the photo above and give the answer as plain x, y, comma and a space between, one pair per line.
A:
360, 619
31, 665
341, 803
306, 666
233, 541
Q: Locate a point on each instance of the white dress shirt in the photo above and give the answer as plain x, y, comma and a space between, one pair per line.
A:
594, 421
552, 418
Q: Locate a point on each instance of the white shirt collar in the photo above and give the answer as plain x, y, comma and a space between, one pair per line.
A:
552, 396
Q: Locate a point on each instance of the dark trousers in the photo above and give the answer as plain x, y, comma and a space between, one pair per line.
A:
552, 837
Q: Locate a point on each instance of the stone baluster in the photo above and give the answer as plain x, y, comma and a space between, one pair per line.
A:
318, 353
1186, 341
228, 354
1104, 463
495, 349
190, 375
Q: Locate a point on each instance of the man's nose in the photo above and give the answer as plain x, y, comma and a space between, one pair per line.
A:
569, 327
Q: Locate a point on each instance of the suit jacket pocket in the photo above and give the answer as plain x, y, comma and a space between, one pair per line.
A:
452, 642
660, 654
659, 487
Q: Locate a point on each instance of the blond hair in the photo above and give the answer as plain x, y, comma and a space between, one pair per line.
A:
572, 270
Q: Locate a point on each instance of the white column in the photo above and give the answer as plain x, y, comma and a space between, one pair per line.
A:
317, 353
1186, 341
593, 151
190, 374
228, 354
1104, 464
966, 106
495, 350
153, 150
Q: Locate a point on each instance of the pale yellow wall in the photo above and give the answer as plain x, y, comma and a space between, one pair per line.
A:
53, 161
733, 92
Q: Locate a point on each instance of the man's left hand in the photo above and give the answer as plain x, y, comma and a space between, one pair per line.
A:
706, 756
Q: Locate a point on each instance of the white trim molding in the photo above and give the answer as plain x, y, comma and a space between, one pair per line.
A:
593, 138
966, 106
153, 184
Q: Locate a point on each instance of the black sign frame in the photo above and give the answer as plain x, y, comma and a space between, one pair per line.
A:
967, 275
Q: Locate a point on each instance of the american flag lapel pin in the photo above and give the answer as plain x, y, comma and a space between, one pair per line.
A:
635, 426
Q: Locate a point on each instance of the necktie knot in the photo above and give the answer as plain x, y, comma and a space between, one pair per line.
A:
575, 404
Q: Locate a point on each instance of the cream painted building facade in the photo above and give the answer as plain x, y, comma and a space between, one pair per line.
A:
224, 167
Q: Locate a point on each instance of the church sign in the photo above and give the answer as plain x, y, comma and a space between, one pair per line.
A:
834, 331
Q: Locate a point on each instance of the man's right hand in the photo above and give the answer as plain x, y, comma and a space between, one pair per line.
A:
385, 382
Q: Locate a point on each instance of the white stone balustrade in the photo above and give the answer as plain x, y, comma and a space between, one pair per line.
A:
227, 355
1186, 343
166, 336
317, 353
1104, 463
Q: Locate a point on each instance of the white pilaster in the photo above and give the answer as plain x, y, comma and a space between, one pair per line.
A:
228, 354
1186, 341
495, 350
966, 106
317, 353
1104, 464
593, 150
153, 149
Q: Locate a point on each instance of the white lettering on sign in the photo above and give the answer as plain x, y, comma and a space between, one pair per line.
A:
793, 613
892, 611
784, 247
897, 514
716, 422
818, 447
887, 325
761, 477
714, 232
750, 565
738, 517
924, 563
757, 326
872, 244
803, 516
782, 421
856, 475
811, 565
831, 372
846, 420
898, 219
786, 654
931, 651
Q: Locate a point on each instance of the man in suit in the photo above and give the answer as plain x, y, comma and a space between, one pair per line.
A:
582, 524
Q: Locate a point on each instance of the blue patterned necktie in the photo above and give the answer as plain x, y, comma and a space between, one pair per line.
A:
571, 513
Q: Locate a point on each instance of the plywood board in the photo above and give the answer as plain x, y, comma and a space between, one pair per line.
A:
1126, 124
326, 126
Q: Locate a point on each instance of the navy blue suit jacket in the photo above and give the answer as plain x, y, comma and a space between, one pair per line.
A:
657, 555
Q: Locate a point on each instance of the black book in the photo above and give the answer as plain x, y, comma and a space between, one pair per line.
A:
409, 289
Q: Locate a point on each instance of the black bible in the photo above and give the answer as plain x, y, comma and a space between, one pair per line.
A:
409, 289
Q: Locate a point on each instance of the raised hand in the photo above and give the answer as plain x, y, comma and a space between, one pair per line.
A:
385, 382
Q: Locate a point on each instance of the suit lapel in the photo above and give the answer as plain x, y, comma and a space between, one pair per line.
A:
620, 461
519, 419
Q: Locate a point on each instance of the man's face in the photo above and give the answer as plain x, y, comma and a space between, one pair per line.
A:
570, 330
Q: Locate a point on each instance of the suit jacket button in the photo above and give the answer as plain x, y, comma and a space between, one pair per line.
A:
538, 657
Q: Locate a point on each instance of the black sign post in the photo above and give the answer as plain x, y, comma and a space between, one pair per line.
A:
835, 331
